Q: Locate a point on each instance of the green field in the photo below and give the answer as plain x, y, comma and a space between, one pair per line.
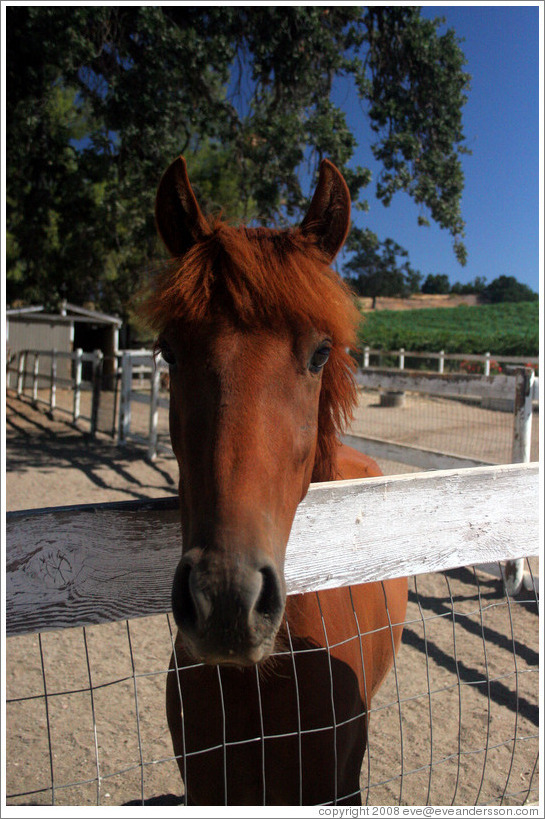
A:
502, 329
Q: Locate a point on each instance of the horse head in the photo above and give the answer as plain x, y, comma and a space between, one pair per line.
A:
255, 327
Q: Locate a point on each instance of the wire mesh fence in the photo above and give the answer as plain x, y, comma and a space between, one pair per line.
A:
457, 426
464, 426
456, 721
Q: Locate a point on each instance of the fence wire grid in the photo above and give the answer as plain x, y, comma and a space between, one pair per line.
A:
458, 426
456, 721
452, 425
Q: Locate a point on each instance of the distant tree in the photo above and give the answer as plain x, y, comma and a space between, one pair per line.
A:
507, 288
380, 268
436, 283
476, 286
101, 98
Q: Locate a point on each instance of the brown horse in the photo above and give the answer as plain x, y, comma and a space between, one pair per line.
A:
267, 696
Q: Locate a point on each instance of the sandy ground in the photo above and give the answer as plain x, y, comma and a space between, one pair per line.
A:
456, 724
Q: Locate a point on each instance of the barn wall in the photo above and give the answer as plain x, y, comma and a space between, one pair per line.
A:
28, 334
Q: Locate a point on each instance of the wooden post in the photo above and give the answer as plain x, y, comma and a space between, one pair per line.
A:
125, 402
366, 356
487, 364
442, 361
402, 358
53, 386
513, 570
77, 383
153, 411
35, 371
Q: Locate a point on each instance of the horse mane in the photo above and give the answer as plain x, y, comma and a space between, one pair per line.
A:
266, 277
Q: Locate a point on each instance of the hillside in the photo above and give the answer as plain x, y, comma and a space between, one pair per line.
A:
419, 301
502, 329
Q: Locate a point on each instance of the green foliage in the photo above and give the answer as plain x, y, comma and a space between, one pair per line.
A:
502, 329
436, 283
507, 288
218, 183
102, 98
376, 269
477, 285
417, 78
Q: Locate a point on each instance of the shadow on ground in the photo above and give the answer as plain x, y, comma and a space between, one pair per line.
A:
38, 444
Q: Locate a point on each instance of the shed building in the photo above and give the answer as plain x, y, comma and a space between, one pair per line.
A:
30, 328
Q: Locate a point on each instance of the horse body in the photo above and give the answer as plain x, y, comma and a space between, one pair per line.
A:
267, 695
302, 720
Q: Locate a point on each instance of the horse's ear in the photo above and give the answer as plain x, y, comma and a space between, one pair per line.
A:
180, 221
328, 217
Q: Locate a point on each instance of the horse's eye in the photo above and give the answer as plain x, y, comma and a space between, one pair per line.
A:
319, 358
167, 354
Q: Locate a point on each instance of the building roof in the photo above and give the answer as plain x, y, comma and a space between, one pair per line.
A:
79, 314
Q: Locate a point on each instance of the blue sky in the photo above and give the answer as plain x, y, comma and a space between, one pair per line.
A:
500, 204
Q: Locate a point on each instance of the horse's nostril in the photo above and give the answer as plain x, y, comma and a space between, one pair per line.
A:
183, 607
269, 601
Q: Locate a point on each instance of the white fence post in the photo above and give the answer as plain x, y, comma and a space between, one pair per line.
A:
153, 411
77, 383
53, 385
442, 361
487, 364
402, 358
522, 417
125, 402
21, 366
513, 570
35, 371
366, 356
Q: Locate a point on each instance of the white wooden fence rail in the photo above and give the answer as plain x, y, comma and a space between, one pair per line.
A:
441, 357
447, 384
77, 566
521, 391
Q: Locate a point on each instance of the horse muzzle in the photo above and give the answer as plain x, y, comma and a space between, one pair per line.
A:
228, 607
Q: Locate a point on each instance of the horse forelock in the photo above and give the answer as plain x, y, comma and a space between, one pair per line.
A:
262, 277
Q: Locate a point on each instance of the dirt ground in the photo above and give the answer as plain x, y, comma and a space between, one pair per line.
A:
457, 723
418, 301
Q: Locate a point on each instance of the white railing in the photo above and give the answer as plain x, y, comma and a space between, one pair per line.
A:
344, 532
441, 357
520, 390
37, 375
141, 362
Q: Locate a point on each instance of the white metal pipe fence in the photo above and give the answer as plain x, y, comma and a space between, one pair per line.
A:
28, 380
485, 359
